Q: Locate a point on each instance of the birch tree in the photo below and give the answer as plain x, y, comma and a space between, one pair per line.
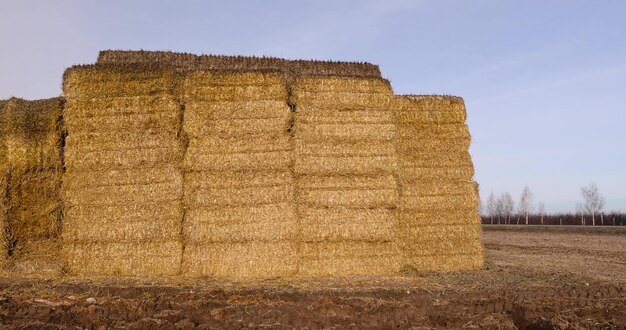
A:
594, 201
526, 203
491, 206
542, 211
507, 206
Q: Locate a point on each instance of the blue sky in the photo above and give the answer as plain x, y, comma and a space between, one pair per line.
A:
544, 81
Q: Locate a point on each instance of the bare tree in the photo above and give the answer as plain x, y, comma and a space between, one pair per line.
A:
491, 206
594, 201
542, 211
580, 211
526, 203
506, 206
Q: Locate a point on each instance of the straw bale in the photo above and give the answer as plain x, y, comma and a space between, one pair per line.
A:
231, 179
147, 214
32, 249
137, 258
439, 187
427, 102
323, 84
314, 147
346, 132
86, 141
33, 152
446, 262
432, 117
77, 159
30, 118
230, 128
418, 132
342, 100
199, 80
345, 224
75, 180
262, 223
345, 165
418, 147
4, 209
261, 143
307, 115
115, 106
236, 93
34, 205
350, 198
101, 82
161, 121
310, 182
262, 161
442, 202
436, 159
455, 173
349, 258
241, 261
125, 228
125, 194
190, 62
256, 109
420, 235
247, 196
465, 216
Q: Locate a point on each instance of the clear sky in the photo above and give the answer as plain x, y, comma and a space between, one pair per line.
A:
544, 81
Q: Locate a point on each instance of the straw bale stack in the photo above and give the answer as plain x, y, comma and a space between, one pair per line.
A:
123, 186
31, 173
4, 210
191, 62
438, 219
345, 169
240, 219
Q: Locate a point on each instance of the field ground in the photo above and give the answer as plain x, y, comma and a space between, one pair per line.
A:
534, 277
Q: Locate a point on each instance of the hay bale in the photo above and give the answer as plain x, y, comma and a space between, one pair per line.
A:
346, 224
4, 210
133, 258
349, 165
349, 258
124, 184
240, 220
345, 165
30, 133
438, 222
122, 223
257, 223
190, 62
241, 261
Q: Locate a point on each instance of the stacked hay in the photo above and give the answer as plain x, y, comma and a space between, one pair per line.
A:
240, 217
191, 62
345, 169
123, 186
438, 216
31, 172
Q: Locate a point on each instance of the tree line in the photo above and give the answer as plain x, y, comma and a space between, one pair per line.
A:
502, 210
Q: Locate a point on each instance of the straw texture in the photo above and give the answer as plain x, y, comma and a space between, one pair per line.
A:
438, 219
240, 220
123, 188
30, 214
345, 167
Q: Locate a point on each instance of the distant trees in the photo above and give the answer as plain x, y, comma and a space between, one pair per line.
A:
506, 206
542, 211
593, 201
526, 203
491, 208
499, 209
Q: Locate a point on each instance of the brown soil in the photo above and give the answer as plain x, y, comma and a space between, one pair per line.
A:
534, 278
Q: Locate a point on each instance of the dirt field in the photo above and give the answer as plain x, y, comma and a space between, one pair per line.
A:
535, 278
